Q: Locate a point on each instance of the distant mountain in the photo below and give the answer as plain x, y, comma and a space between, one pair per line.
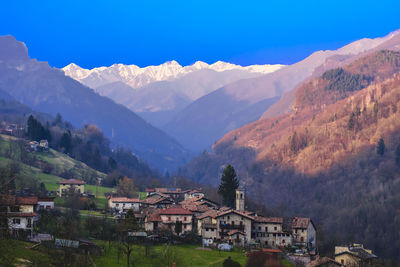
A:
136, 77
48, 90
321, 158
159, 92
210, 117
342, 57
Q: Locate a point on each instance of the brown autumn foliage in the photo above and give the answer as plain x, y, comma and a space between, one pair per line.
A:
320, 160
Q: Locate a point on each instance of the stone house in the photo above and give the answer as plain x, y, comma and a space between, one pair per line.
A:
233, 220
171, 215
354, 255
207, 225
268, 231
304, 232
19, 213
123, 204
152, 221
66, 185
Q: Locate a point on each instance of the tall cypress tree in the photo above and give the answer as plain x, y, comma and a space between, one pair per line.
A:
228, 186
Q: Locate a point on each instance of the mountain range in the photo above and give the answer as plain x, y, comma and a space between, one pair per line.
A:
157, 93
208, 118
320, 157
49, 90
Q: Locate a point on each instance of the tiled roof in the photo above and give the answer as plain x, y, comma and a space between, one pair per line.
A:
232, 232
10, 200
175, 211
124, 200
190, 200
71, 181
209, 213
358, 252
299, 222
27, 200
268, 219
153, 200
236, 212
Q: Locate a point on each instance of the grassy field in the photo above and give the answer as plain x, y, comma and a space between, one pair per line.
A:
19, 254
60, 163
183, 255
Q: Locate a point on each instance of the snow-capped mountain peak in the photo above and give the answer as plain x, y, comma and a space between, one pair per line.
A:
135, 76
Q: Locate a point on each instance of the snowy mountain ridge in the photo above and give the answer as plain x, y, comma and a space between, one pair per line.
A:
136, 77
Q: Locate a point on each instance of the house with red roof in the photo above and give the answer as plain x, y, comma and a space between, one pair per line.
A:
169, 217
66, 185
20, 214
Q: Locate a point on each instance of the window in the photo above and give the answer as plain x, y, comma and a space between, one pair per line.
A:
29, 223
259, 228
184, 226
229, 217
342, 261
233, 223
48, 207
266, 229
117, 205
275, 228
16, 221
302, 239
283, 241
184, 218
169, 218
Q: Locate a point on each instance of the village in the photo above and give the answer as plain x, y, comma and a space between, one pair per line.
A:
166, 212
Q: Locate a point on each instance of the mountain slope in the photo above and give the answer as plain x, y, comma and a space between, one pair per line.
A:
49, 90
321, 160
389, 42
235, 100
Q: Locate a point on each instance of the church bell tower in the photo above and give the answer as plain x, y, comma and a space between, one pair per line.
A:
240, 199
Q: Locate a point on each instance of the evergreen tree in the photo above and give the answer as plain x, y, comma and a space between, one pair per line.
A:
380, 149
398, 155
66, 142
228, 186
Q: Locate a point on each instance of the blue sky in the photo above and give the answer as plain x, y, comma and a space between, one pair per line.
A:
100, 33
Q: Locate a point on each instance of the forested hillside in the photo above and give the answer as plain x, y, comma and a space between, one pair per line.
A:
335, 157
